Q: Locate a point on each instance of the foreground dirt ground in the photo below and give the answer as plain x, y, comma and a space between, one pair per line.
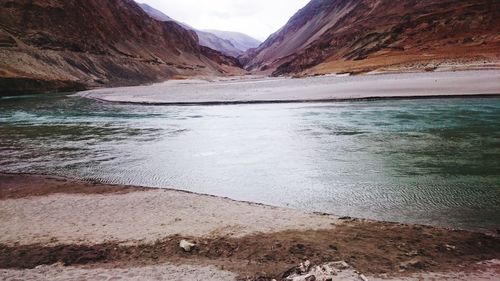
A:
60, 229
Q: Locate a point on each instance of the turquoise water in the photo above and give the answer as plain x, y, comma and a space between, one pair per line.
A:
430, 161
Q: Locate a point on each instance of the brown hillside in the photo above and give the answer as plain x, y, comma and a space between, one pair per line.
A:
363, 35
76, 44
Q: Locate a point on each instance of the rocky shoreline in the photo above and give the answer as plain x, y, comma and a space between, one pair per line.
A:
83, 229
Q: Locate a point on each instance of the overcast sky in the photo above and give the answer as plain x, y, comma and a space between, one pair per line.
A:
257, 18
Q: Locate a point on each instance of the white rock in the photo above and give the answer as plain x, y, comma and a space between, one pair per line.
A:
450, 247
305, 266
333, 271
186, 245
340, 265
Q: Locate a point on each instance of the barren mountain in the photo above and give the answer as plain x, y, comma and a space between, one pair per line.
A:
362, 35
48, 45
229, 45
154, 13
239, 40
213, 41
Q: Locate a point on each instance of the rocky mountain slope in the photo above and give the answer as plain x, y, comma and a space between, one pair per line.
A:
229, 43
155, 13
214, 42
363, 35
63, 45
239, 40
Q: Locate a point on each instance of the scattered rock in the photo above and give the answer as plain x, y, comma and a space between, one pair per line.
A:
311, 278
50, 267
290, 272
322, 214
413, 263
186, 245
412, 253
450, 247
326, 272
341, 265
305, 266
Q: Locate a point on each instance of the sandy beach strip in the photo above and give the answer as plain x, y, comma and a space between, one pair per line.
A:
311, 89
93, 216
87, 230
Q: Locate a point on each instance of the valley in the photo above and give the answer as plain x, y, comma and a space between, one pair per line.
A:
354, 140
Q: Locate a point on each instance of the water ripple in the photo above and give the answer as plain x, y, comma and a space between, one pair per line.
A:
426, 161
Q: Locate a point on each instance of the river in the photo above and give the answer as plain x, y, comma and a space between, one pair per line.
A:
433, 161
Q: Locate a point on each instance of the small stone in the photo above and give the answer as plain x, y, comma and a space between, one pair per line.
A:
412, 253
291, 272
305, 266
450, 247
415, 263
341, 265
186, 245
311, 278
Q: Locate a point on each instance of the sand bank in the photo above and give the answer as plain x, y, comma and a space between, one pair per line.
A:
311, 89
124, 216
108, 231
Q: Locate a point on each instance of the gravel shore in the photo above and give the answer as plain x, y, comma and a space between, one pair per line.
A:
90, 231
310, 89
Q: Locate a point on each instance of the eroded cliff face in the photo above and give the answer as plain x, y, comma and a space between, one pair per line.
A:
363, 35
64, 45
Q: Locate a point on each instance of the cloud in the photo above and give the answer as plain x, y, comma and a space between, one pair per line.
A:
257, 18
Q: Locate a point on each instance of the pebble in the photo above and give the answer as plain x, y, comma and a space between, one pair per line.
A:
186, 245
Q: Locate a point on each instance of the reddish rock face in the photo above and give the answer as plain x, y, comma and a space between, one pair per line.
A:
75, 44
332, 35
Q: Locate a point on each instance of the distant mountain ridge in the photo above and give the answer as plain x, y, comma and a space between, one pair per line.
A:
362, 35
213, 41
229, 43
239, 40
